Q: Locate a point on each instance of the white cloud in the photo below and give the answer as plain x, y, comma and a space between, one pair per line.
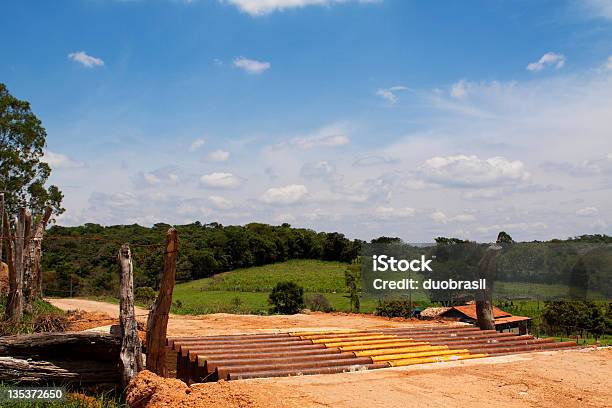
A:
262, 7
328, 136
389, 94
589, 167
608, 64
470, 171
547, 60
285, 217
167, 176
373, 160
323, 170
587, 212
220, 180
290, 194
598, 8
115, 200
251, 66
86, 60
438, 216
441, 217
196, 144
463, 218
61, 161
385, 213
482, 194
221, 203
218, 156
460, 89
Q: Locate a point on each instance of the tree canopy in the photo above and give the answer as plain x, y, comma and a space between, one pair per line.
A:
84, 258
23, 175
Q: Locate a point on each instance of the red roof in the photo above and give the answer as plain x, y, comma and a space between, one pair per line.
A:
511, 319
470, 311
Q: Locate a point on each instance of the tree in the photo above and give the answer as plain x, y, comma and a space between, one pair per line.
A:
504, 238
287, 298
22, 173
386, 240
352, 279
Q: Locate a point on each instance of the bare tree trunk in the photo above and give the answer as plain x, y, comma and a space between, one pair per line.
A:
14, 308
62, 346
157, 322
34, 274
8, 241
77, 358
26, 281
1, 225
484, 305
40, 372
130, 357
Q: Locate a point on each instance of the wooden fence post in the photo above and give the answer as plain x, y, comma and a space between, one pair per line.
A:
130, 358
14, 307
484, 301
157, 322
10, 254
33, 281
1, 225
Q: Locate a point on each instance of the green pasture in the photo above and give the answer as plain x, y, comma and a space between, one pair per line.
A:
246, 290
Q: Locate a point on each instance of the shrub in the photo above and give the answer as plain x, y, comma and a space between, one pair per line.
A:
286, 298
318, 303
50, 322
394, 308
145, 294
43, 318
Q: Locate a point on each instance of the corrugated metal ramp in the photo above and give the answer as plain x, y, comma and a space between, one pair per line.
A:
300, 353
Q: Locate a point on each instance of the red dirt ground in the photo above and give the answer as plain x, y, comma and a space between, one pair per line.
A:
555, 379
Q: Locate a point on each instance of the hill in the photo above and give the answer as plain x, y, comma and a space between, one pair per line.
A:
246, 290
82, 260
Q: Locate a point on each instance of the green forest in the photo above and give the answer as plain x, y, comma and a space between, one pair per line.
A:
81, 260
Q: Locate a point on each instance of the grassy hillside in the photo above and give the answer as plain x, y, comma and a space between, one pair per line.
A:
246, 290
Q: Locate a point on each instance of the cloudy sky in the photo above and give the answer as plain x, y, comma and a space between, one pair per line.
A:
389, 117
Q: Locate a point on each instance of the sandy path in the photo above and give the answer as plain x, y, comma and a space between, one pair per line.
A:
92, 306
550, 379
223, 323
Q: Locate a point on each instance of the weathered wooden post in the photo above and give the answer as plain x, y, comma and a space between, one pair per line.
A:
1, 225
484, 306
130, 357
14, 307
33, 275
157, 322
9, 262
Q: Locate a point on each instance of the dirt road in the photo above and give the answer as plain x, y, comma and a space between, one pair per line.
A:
550, 379
92, 306
223, 323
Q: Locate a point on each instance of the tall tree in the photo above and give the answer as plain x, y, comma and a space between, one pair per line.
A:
23, 175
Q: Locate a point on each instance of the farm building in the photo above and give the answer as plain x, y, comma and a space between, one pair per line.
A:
467, 314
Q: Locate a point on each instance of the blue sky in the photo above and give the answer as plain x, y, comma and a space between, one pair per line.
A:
391, 117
